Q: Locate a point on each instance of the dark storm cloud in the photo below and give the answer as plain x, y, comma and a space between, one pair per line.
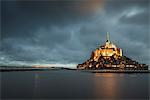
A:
34, 14
67, 31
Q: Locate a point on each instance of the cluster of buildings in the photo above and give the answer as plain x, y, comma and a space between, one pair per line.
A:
109, 56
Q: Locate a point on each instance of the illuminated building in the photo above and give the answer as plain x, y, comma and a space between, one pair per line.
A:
107, 50
109, 56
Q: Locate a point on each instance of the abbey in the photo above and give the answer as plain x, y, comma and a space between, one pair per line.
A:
107, 50
109, 56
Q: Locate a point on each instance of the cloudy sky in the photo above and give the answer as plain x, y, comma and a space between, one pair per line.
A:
66, 31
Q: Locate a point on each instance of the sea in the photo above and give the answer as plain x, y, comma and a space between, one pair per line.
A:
73, 85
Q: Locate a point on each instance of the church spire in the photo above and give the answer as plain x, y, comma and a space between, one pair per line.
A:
107, 37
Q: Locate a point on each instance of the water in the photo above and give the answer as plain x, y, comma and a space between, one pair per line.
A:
71, 84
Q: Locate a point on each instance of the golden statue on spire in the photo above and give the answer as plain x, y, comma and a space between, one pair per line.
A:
107, 37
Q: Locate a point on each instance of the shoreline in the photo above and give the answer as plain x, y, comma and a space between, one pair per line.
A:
116, 71
61, 68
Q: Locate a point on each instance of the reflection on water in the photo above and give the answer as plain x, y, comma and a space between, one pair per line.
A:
105, 87
104, 75
132, 75
36, 82
121, 75
68, 84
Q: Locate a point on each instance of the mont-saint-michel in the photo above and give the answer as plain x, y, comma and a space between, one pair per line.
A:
110, 57
46, 50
